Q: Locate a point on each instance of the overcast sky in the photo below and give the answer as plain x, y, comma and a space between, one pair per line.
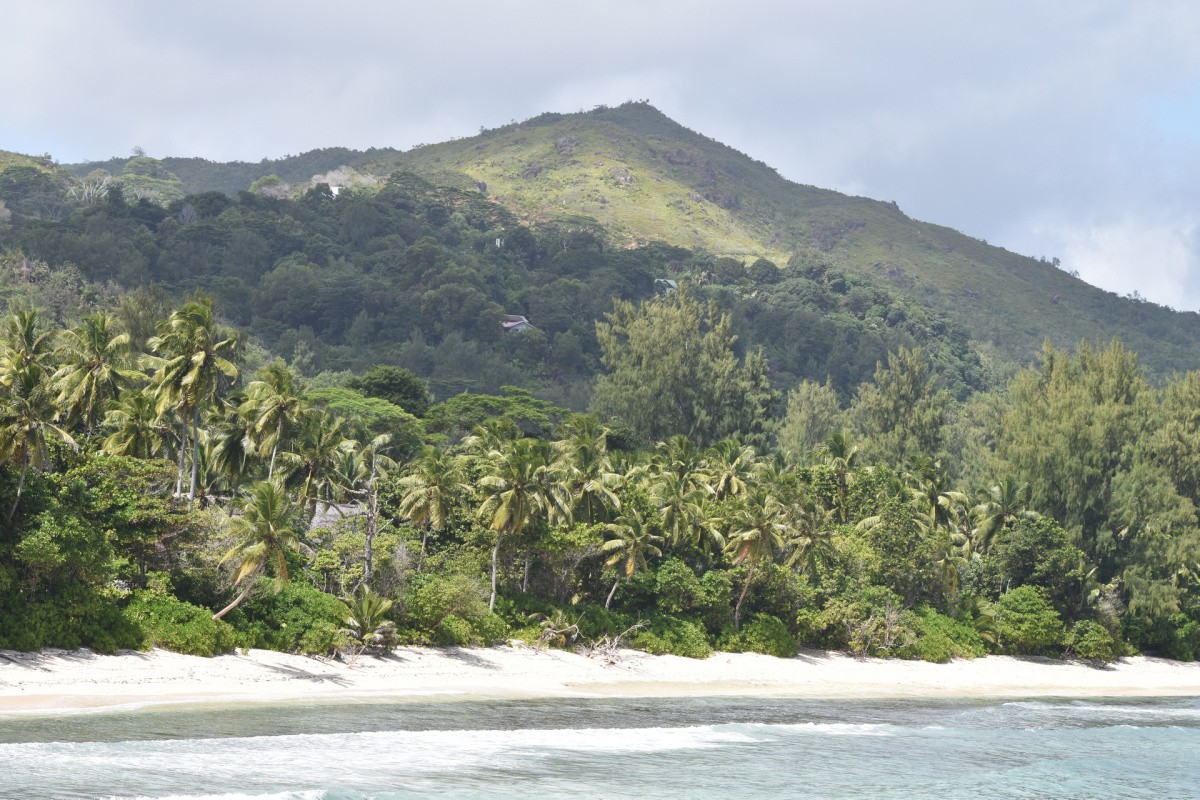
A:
1065, 129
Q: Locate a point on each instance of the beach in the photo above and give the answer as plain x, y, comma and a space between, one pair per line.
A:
65, 680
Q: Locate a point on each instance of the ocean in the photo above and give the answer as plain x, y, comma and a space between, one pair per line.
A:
611, 748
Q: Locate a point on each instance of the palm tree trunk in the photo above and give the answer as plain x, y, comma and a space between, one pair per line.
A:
245, 593
611, 592
182, 453
525, 577
495, 558
275, 449
737, 609
369, 547
20, 486
195, 453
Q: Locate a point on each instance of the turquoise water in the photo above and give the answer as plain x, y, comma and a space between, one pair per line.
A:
676, 748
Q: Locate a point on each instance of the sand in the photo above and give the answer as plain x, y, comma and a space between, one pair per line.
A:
70, 680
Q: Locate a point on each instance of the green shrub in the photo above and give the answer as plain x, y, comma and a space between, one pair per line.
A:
453, 631
490, 629
762, 634
673, 636
940, 638
1090, 640
299, 618
1025, 623
175, 625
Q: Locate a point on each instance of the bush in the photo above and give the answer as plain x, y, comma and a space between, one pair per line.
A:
453, 631
940, 638
490, 629
672, 636
1090, 640
1025, 622
297, 619
175, 625
762, 634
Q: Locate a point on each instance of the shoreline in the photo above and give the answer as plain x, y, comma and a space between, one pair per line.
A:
56, 681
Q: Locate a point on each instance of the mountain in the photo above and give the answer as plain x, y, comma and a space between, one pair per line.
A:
646, 178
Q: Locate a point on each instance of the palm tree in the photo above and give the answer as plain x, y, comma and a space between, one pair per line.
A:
24, 344
138, 430
264, 533
590, 477
26, 423
366, 622
274, 404
682, 505
97, 366
730, 465
520, 488
633, 541
930, 486
431, 491
364, 483
756, 530
839, 452
1001, 505
812, 528
312, 463
192, 357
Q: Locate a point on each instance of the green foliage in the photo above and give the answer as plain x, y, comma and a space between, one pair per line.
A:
397, 385
1092, 642
672, 369
1025, 622
175, 625
430, 599
762, 634
296, 619
941, 638
371, 417
673, 636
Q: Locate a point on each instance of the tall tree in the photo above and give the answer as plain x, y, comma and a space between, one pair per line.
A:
96, 366
274, 405
431, 491
519, 489
264, 533
633, 542
902, 412
672, 369
757, 526
193, 355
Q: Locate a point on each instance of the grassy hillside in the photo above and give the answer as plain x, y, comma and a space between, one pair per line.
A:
646, 178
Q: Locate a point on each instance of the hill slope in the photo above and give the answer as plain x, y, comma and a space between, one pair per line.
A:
645, 178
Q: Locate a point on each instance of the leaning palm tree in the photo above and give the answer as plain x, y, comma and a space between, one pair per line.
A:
96, 367
757, 526
519, 490
192, 356
264, 533
633, 541
431, 491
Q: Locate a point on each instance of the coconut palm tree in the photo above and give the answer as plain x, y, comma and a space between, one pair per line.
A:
520, 488
96, 367
633, 541
313, 461
263, 533
1000, 506
757, 526
810, 538
839, 452
138, 430
27, 416
431, 491
274, 404
192, 357
730, 466
590, 477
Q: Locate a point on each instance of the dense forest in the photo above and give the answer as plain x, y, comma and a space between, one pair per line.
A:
299, 421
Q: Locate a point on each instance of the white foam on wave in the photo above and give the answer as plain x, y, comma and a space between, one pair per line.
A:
316, 794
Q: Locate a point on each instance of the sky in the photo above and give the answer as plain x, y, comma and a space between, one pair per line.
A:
1068, 130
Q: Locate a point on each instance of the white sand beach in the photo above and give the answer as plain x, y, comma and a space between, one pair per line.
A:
64, 680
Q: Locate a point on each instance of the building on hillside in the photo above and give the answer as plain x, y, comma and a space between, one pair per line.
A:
514, 322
